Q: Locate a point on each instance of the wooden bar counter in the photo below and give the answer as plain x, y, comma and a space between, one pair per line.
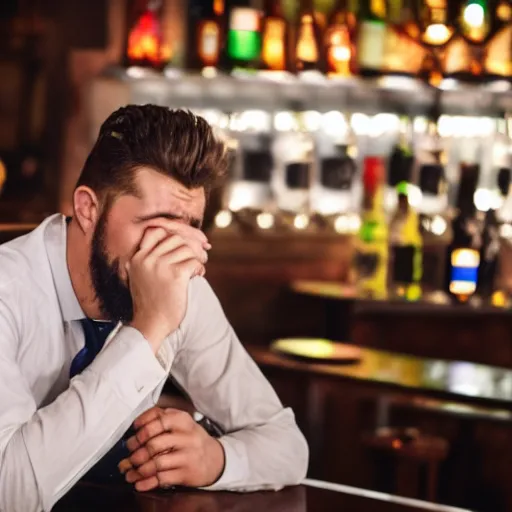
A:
316, 497
467, 406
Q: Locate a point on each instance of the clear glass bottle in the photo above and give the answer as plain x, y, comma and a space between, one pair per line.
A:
335, 150
293, 150
253, 161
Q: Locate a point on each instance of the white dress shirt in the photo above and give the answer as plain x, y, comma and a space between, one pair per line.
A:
53, 430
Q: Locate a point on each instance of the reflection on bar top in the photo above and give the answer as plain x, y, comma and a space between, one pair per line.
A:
434, 303
459, 378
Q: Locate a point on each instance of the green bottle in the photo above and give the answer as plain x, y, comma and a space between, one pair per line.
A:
243, 45
371, 245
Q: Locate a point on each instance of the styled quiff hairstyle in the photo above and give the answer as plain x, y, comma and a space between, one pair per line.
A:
175, 143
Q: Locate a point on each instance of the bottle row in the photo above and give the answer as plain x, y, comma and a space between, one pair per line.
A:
429, 39
457, 260
310, 163
412, 193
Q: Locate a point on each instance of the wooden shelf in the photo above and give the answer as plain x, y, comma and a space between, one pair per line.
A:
391, 94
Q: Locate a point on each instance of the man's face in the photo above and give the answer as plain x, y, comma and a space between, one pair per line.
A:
120, 229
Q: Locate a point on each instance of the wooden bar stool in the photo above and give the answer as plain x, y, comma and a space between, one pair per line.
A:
405, 452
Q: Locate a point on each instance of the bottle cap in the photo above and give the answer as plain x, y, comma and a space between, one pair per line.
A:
373, 172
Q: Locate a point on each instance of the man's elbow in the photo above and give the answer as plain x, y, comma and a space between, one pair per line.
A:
294, 457
299, 460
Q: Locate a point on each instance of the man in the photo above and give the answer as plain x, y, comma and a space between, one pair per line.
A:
131, 255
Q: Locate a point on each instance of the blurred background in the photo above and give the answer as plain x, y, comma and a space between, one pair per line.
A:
366, 222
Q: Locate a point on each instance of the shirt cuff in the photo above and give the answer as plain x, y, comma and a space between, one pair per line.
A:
127, 362
236, 465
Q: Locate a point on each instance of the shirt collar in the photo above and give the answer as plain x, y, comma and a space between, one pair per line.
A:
55, 240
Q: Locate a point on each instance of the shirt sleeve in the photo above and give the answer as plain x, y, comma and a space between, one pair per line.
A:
43, 452
263, 446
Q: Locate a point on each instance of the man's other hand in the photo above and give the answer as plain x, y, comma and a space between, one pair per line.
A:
169, 449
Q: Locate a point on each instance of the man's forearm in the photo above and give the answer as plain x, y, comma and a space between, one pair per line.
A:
268, 456
45, 455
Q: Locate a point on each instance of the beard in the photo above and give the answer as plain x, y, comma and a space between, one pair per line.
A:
113, 295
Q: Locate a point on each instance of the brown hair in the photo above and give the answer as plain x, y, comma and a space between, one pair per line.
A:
175, 143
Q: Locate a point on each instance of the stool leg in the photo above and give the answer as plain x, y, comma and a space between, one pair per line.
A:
407, 478
432, 481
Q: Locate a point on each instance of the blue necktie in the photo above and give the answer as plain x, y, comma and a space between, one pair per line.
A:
96, 333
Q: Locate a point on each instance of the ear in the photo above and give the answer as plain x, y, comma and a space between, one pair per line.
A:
86, 207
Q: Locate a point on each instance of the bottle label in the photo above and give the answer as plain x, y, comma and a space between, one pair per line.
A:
208, 47
337, 172
370, 265
366, 264
371, 40
244, 18
464, 271
274, 44
403, 264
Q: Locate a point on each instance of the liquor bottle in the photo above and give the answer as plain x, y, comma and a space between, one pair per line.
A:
243, 42
274, 51
489, 257
403, 53
400, 164
335, 148
502, 162
436, 21
504, 184
465, 54
371, 37
406, 245
435, 223
205, 40
145, 43
371, 251
253, 161
339, 41
463, 256
308, 44
293, 150
498, 52
504, 216
404, 231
